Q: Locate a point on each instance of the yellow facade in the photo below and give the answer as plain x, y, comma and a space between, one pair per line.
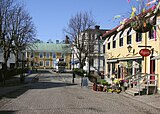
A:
34, 61
123, 60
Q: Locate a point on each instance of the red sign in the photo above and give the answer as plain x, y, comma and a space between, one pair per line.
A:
145, 52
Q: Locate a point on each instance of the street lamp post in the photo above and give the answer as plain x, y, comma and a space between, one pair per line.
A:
73, 74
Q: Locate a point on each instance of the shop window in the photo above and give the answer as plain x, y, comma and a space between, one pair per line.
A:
113, 68
109, 70
129, 67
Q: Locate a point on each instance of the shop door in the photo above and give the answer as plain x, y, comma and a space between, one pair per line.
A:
152, 69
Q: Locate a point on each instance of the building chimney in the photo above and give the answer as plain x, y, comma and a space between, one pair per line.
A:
97, 27
57, 41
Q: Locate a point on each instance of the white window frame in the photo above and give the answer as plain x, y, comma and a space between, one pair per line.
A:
53, 54
42, 63
47, 55
46, 63
33, 54
40, 55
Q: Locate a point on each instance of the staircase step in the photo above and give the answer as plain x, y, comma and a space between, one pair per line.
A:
135, 91
131, 92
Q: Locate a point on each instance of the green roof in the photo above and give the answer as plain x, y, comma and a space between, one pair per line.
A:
50, 47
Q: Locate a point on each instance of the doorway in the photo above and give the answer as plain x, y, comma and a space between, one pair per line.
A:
152, 69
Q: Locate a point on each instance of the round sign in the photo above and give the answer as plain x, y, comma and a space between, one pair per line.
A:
145, 52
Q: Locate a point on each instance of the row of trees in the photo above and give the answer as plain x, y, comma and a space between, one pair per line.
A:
17, 30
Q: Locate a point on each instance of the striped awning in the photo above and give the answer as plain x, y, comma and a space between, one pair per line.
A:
124, 32
117, 36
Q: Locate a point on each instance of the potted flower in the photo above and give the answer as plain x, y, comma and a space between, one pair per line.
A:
144, 22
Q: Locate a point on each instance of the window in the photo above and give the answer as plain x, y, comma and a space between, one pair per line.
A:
53, 55
113, 68
138, 37
129, 67
47, 63
129, 39
151, 34
47, 55
62, 55
41, 55
53, 62
104, 48
41, 63
32, 54
109, 44
114, 44
121, 42
109, 68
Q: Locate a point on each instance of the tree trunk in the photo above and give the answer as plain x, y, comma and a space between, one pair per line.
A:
4, 70
16, 59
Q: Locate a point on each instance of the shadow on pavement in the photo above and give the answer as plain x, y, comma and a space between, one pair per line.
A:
38, 85
7, 112
46, 85
44, 71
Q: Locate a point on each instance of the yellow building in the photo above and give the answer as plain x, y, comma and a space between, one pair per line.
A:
123, 63
45, 55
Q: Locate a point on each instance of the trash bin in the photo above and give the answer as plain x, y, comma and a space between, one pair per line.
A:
95, 87
84, 81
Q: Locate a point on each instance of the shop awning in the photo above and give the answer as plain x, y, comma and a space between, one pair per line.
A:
156, 57
104, 43
130, 58
111, 60
125, 32
131, 31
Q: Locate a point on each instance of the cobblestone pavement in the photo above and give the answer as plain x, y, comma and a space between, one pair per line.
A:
54, 94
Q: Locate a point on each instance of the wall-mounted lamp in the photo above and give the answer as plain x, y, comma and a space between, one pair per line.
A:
130, 48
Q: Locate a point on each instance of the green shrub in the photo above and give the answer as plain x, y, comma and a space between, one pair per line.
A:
79, 71
103, 82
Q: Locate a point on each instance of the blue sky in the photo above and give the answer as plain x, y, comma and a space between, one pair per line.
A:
51, 16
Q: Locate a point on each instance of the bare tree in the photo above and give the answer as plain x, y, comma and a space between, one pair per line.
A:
6, 41
77, 26
16, 30
23, 31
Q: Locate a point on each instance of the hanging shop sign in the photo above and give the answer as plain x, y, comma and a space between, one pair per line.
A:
145, 52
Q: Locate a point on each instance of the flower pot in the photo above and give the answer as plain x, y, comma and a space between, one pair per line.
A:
100, 88
142, 24
95, 87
